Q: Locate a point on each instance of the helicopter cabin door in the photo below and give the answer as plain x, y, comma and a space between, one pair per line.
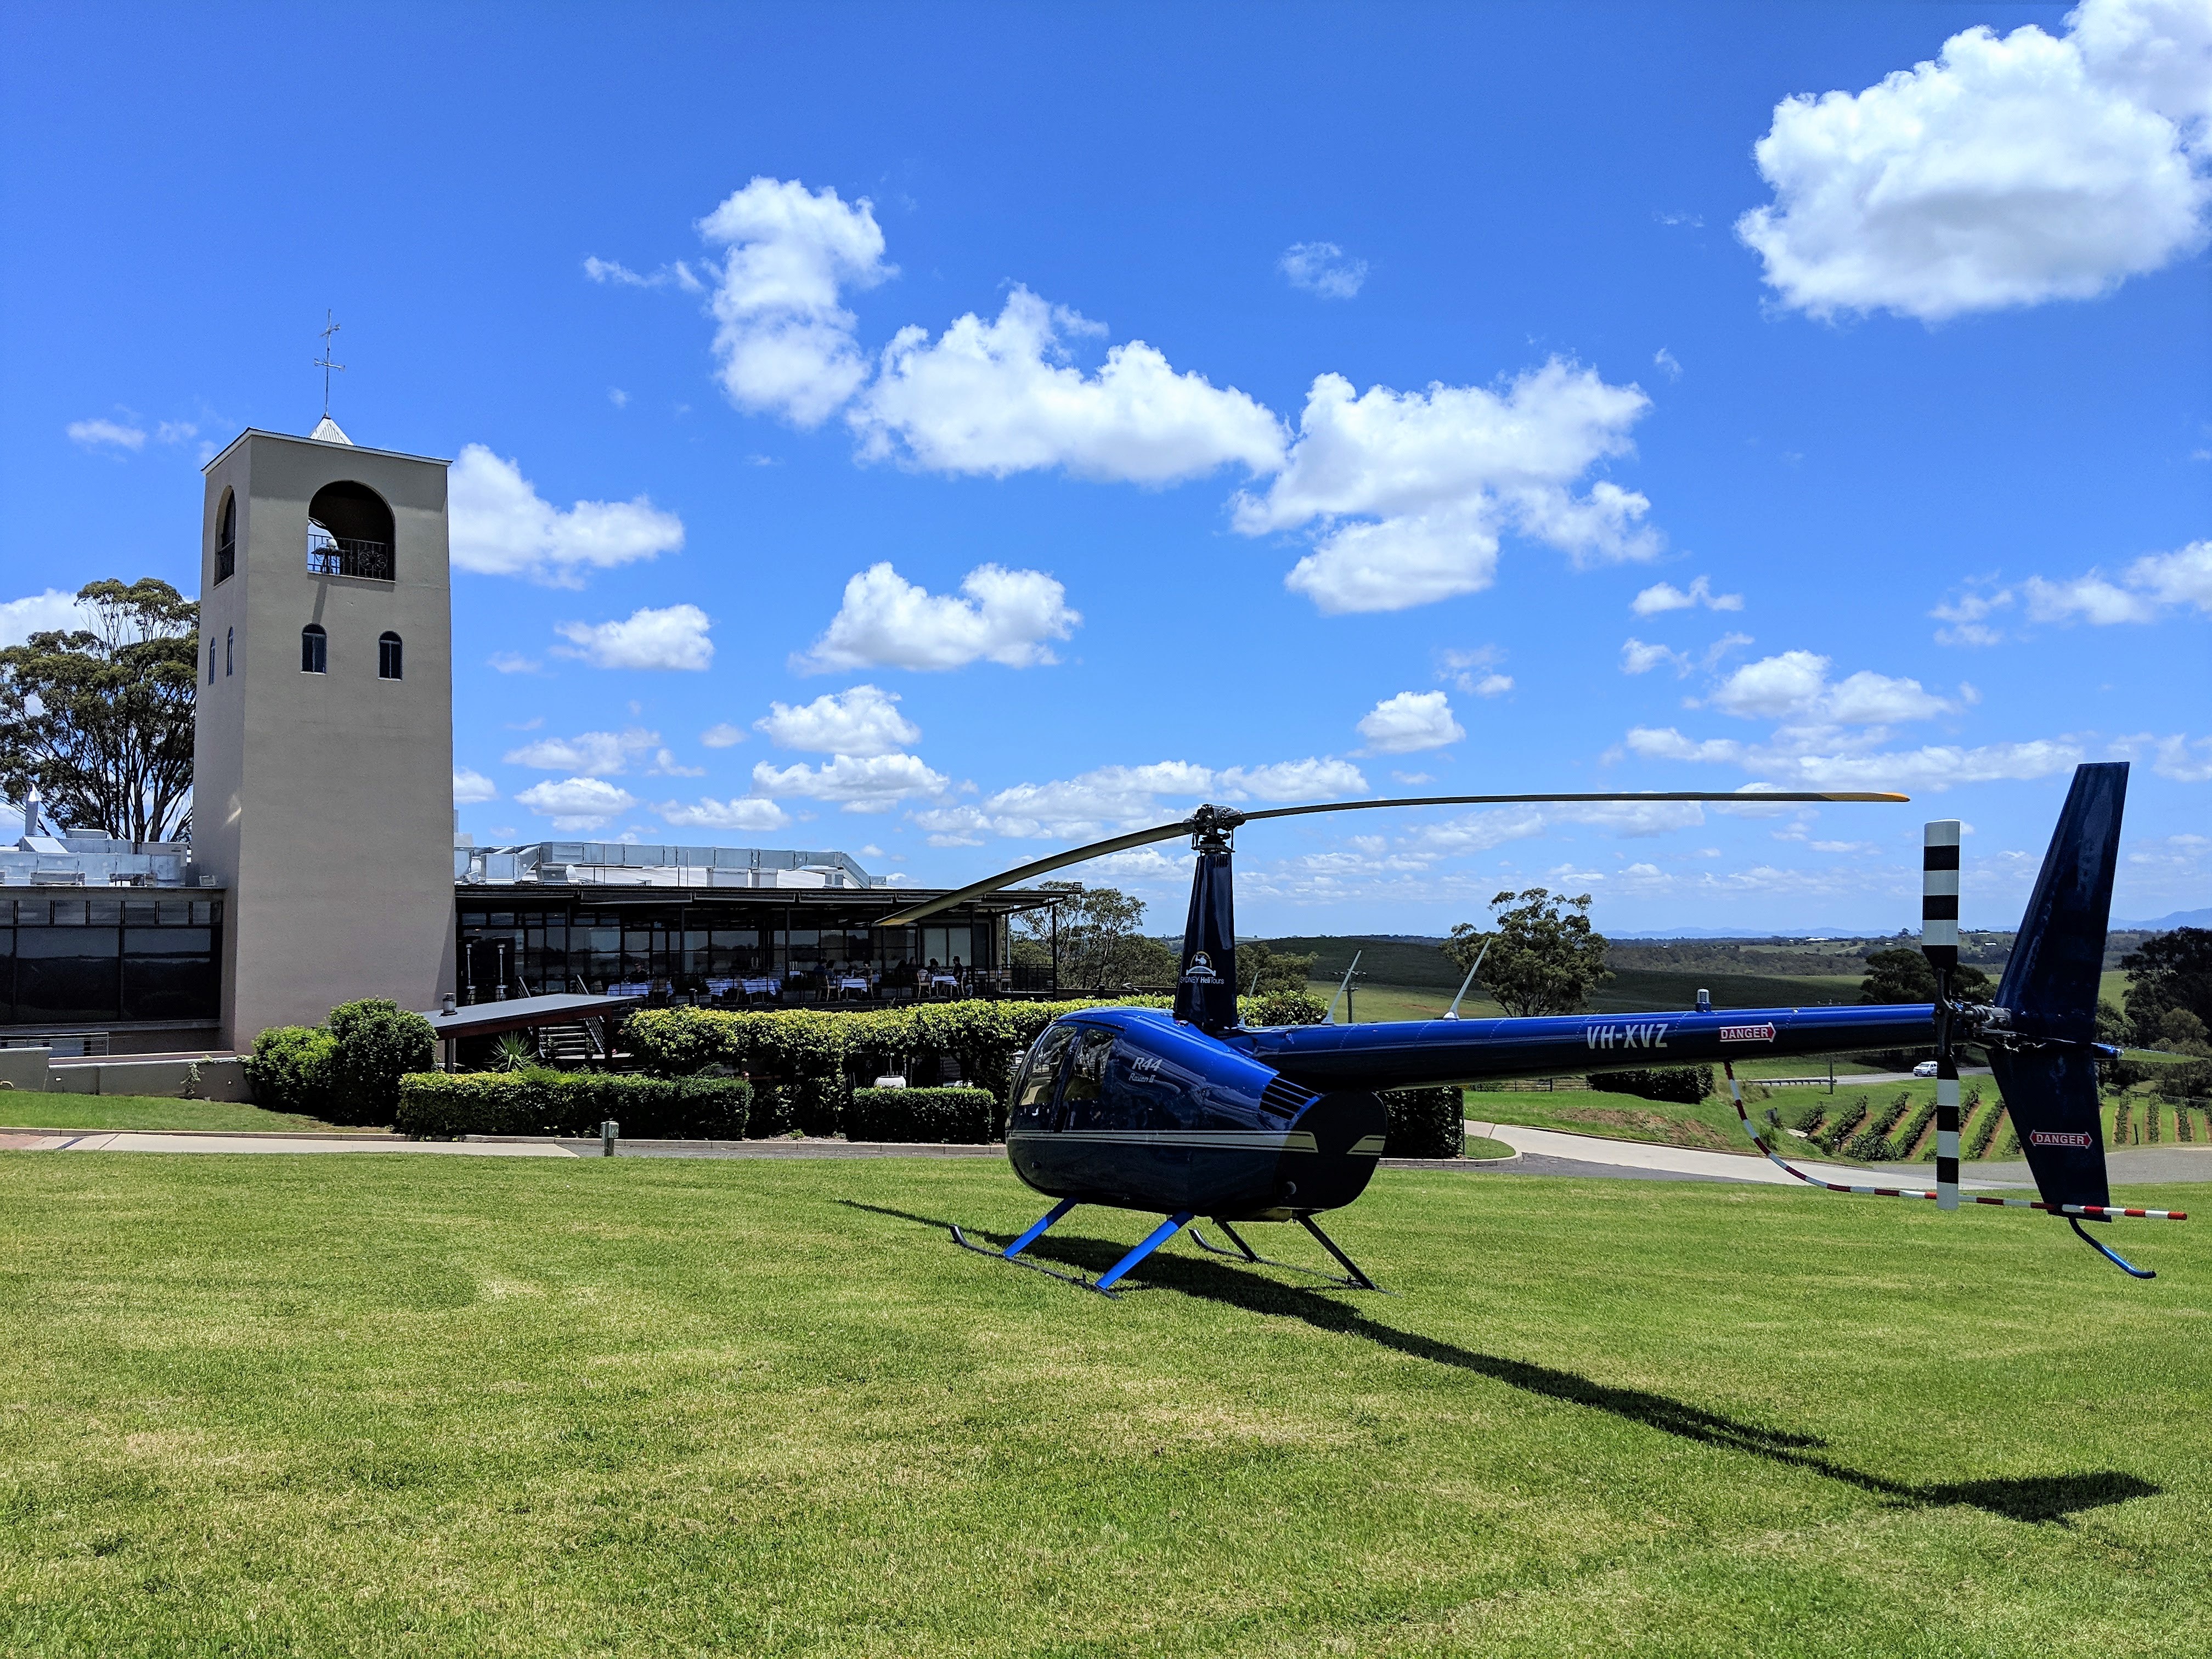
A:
1083, 1094
1035, 1096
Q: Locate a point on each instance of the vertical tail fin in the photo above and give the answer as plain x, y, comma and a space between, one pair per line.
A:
2041, 1054
1206, 987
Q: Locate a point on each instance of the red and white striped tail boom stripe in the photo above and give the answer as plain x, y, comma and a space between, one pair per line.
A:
2091, 1212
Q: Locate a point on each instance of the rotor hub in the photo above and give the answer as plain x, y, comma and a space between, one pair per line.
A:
1212, 829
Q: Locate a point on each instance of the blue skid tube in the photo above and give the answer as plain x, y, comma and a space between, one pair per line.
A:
1106, 1281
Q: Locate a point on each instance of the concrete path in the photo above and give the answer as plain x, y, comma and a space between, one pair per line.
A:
1653, 1162
139, 1140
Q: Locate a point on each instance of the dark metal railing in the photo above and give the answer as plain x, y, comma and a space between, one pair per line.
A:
334, 556
226, 562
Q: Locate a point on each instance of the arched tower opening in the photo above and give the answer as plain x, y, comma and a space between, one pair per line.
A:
349, 532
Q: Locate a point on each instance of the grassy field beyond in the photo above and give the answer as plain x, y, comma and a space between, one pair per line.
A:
413, 1406
49, 1111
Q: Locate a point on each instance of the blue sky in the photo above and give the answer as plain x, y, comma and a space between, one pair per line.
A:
994, 426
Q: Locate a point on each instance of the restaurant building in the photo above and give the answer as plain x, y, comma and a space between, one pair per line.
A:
323, 864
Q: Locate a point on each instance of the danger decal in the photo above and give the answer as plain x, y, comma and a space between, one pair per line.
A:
2058, 1138
1746, 1034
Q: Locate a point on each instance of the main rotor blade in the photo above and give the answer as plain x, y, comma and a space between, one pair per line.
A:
1509, 800
1042, 866
1181, 826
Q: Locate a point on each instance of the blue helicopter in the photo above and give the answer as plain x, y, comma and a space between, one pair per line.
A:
1189, 1114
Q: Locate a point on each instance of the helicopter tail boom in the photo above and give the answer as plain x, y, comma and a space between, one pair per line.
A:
1410, 1054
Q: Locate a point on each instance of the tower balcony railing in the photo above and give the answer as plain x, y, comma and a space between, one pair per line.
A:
226, 562
335, 555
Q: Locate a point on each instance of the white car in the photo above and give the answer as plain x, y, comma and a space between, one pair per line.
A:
1925, 1068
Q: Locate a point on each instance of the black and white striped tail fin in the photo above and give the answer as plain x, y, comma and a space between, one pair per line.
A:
1938, 943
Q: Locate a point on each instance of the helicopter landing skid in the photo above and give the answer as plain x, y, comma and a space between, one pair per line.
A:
1105, 1284
1357, 1280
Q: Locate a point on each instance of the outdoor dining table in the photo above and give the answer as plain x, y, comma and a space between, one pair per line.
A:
761, 987
635, 987
854, 984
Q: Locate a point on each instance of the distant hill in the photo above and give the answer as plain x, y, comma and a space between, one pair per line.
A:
1644, 977
2167, 923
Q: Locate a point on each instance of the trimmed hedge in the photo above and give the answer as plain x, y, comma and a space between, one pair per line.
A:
345, 1071
289, 1069
436, 1106
957, 1114
1425, 1123
1687, 1085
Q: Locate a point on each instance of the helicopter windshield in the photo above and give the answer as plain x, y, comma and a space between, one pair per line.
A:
1086, 1079
1034, 1097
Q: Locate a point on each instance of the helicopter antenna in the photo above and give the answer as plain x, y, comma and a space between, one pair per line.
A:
1452, 1012
1342, 990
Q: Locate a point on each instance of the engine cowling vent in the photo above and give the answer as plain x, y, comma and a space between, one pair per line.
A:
1281, 1095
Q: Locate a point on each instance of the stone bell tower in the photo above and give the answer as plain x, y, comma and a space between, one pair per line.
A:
322, 782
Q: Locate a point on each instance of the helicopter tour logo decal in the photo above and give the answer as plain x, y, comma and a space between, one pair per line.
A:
1201, 969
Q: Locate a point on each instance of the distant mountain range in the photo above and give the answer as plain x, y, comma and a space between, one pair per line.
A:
2176, 918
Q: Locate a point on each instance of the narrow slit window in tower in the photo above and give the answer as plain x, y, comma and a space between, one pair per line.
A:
226, 539
388, 656
229, 640
210, 659
314, 650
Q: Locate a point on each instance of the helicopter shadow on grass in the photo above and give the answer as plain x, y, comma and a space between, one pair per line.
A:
2027, 1498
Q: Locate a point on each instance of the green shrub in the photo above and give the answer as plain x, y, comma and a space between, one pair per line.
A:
1909, 1132
376, 1043
1687, 1085
802, 1061
289, 1070
1425, 1123
1282, 1008
2191, 1080
1840, 1123
1801, 1114
1871, 1144
436, 1106
1977, 1144
956, 1115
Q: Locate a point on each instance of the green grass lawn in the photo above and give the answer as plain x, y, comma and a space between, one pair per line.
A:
1710, 1124
448, 1406
48, 1111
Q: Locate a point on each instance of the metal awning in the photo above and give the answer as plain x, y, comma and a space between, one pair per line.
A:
521, 1013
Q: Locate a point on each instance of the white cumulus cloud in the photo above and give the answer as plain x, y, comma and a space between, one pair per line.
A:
502, 527
1409, 491
869, 783
469, 788
678, 275
1323, 268
51, 611
2151, 585
887, 622
722, 736
1003, 397
863, 721
577, 803
748, 812
1129, 797
672, 637
783, 339
2008, 171
588, 751
105, 434
1409, 721
1794, 685
1665, 596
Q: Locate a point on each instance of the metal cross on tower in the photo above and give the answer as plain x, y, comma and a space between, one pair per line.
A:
331, 326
